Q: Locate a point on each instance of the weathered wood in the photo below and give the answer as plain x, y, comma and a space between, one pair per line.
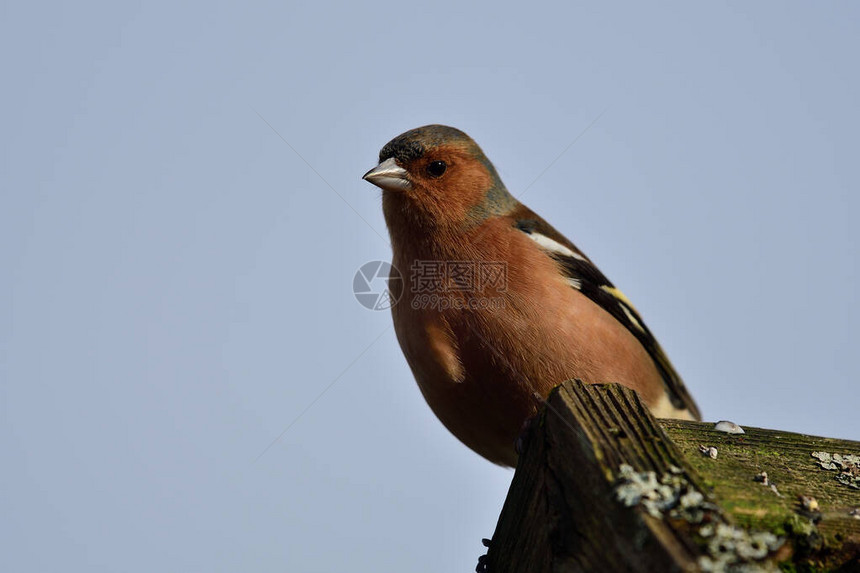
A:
824, 536
583, 500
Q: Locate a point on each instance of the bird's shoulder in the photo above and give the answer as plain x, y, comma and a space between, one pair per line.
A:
583, 275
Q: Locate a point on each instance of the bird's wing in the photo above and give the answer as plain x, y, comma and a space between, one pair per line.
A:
584, 276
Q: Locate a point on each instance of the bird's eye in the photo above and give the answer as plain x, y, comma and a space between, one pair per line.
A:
436, 168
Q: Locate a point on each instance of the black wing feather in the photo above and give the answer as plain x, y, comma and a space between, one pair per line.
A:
594, 285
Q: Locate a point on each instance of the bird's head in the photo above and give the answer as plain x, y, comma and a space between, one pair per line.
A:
438, 175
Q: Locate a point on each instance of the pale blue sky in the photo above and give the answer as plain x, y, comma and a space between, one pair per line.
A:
176, 280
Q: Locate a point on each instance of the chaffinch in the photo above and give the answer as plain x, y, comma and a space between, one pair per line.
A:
496, 307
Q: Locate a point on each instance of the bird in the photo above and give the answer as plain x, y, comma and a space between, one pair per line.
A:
496, 307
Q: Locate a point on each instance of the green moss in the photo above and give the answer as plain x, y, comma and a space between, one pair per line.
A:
787, 460
789, 567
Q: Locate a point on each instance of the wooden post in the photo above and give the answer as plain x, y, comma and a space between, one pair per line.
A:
603, 486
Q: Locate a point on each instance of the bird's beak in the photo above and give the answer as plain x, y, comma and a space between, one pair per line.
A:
389, 176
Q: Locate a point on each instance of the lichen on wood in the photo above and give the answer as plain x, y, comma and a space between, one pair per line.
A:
824, 538
604, 486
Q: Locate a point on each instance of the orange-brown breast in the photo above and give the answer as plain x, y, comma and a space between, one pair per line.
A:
478, 368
